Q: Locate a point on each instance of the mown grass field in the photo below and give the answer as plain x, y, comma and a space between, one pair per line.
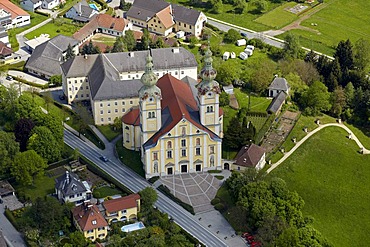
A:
278, 17
64, 26
334, 181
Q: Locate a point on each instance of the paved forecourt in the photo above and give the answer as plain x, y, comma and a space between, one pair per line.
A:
136, 183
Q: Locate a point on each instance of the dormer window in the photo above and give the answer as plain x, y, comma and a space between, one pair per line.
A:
93, 222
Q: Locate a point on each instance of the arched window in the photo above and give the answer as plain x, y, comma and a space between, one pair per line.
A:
212, 161
183, 131
155, 167
169, 145
151, 114
209, 108
197, 142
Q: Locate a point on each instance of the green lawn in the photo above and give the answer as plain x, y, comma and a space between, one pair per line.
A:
106, 191
43, 186
105, 40
362, 134
54, 28
334, 180
278, 17
298, 133
130, 158
108, 132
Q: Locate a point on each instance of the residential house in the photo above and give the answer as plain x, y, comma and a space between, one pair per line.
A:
50, 4
103, 23
69, 188
31, 5
250, 156
4, 36
5, 51
180, 122
277, 85
6, 189
163, 18
12, 16
122, 209
111, 81
81, 11
88, 220
46, 58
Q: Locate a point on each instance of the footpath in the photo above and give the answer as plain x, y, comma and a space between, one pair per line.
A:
351, 135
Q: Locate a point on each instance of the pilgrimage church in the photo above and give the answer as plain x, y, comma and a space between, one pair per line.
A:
178, 123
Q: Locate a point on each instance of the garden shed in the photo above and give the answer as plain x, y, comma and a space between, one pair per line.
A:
241, 42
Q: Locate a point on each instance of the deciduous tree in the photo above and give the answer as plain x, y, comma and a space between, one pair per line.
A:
44, 143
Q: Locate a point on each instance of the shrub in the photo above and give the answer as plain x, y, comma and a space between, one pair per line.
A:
215, 201
11, 218
219, 206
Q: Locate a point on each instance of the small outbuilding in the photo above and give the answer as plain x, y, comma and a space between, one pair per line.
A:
228, 89
180, 34
226, 55
277, 85
277, 103
232, 55
243, 55
241, 42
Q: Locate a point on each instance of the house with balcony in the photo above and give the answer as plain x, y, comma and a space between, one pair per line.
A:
88, 220
69, 188
122, 209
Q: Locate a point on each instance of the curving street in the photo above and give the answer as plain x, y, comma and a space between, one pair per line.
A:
136, 183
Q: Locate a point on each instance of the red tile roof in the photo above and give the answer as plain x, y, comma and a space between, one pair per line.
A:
132, 117
13, 9
122, 203
178, 98
165, 17
101, 21
249, 155
88, 217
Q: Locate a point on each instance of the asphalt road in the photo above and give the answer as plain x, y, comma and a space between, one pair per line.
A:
136, 183
249, 33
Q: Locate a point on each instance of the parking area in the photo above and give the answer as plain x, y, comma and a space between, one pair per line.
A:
195, 189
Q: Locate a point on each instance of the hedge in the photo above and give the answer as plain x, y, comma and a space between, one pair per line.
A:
219, 206
168, 193
42, 13
215, 201
11, 218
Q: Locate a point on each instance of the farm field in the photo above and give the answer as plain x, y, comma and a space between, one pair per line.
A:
335, 188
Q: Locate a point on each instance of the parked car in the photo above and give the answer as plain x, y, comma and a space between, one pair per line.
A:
243, 34
103, 158
9, 78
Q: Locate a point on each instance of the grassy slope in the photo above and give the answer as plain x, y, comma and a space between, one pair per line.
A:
334, 181
130, 158
67, 29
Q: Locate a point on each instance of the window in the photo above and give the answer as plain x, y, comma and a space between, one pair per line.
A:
212, 149
90, 231
155, 156
123, 102
159, 22
197, 142
93, 222
183, 131
76, 96
101, 112
183, 143
72, 196
82, 95
101, 228
169, 154
197, 151
209, 108
86, 80
157, 74
127, 137
87, 95
116, 110
176, 73
76, 88
169, 145
101, 104
108, 111
75, 81
109, 119
154, 20
81, 80
184, 25
115, 103
102, 120
123, 110
182, 72
183, 152
69, 82
87, 87
137, 75
151, 114
69, 89
131, 102
123, 211
179, 24
129, 76
108, 104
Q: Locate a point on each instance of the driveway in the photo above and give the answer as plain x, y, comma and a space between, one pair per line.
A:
28, 77
11, 235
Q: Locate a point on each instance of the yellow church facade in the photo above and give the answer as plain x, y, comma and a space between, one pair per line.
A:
178, 124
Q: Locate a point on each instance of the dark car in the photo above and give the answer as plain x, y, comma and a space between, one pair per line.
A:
108, 1
103, 158
243, 34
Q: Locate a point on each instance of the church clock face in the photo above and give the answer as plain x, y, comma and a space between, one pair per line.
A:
209, 95
151, 99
